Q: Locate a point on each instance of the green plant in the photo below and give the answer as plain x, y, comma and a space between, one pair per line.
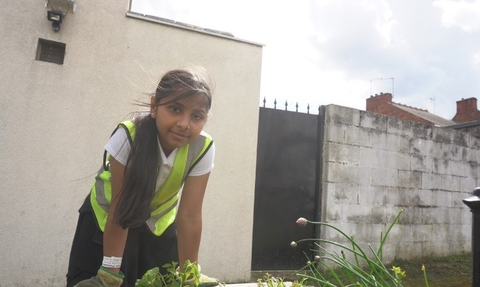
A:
425, 275
363, 270
270, 281
399, 273
175, 277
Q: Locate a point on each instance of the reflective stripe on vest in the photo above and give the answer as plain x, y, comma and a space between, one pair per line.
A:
163, 206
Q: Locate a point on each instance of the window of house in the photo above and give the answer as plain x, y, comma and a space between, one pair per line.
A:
50, 51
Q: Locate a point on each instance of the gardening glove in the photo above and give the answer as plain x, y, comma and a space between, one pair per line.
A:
104, 278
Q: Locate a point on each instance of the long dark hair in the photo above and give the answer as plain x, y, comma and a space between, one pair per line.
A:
139, 184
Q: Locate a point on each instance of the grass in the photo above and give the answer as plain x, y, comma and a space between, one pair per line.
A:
449, 271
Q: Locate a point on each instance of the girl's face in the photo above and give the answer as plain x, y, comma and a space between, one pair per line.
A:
179, 122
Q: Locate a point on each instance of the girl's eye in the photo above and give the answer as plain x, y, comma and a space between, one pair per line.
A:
175, 109
198, 117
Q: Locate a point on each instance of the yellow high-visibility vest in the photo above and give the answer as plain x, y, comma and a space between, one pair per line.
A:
162, 207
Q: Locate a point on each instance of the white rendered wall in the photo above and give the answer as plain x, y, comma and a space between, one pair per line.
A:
56, 118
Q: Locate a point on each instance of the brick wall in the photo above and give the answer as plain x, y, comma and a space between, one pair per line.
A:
467, 111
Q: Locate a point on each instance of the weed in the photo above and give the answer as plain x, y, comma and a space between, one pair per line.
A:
270, 281
175, 277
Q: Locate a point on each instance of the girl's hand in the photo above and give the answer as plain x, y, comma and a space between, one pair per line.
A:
114, 236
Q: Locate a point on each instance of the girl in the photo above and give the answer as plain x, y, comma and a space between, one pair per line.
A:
130, 222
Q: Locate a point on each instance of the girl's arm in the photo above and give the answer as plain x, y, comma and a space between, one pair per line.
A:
114, 237
189, 218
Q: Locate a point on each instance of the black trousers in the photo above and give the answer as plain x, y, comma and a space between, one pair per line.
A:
143, 250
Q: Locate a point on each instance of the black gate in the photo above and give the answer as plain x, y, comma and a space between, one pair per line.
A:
286, 188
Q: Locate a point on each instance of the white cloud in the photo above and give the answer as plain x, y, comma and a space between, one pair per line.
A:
384, 24
328, 51
476, 59
462, 14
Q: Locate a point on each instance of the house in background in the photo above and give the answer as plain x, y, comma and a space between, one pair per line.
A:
383, 104
467, 111
467, 117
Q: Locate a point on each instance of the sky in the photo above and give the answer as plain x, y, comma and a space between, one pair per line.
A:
426, 53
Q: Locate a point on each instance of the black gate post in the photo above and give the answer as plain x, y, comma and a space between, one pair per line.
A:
474, 203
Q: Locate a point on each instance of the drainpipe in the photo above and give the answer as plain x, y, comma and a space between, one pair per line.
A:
474, 203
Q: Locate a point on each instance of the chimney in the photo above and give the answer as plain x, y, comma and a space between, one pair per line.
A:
375, 103
467, 111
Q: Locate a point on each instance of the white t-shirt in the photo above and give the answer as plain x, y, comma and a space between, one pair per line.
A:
119, 147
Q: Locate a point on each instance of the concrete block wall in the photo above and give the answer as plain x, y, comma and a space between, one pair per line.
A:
374, 166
